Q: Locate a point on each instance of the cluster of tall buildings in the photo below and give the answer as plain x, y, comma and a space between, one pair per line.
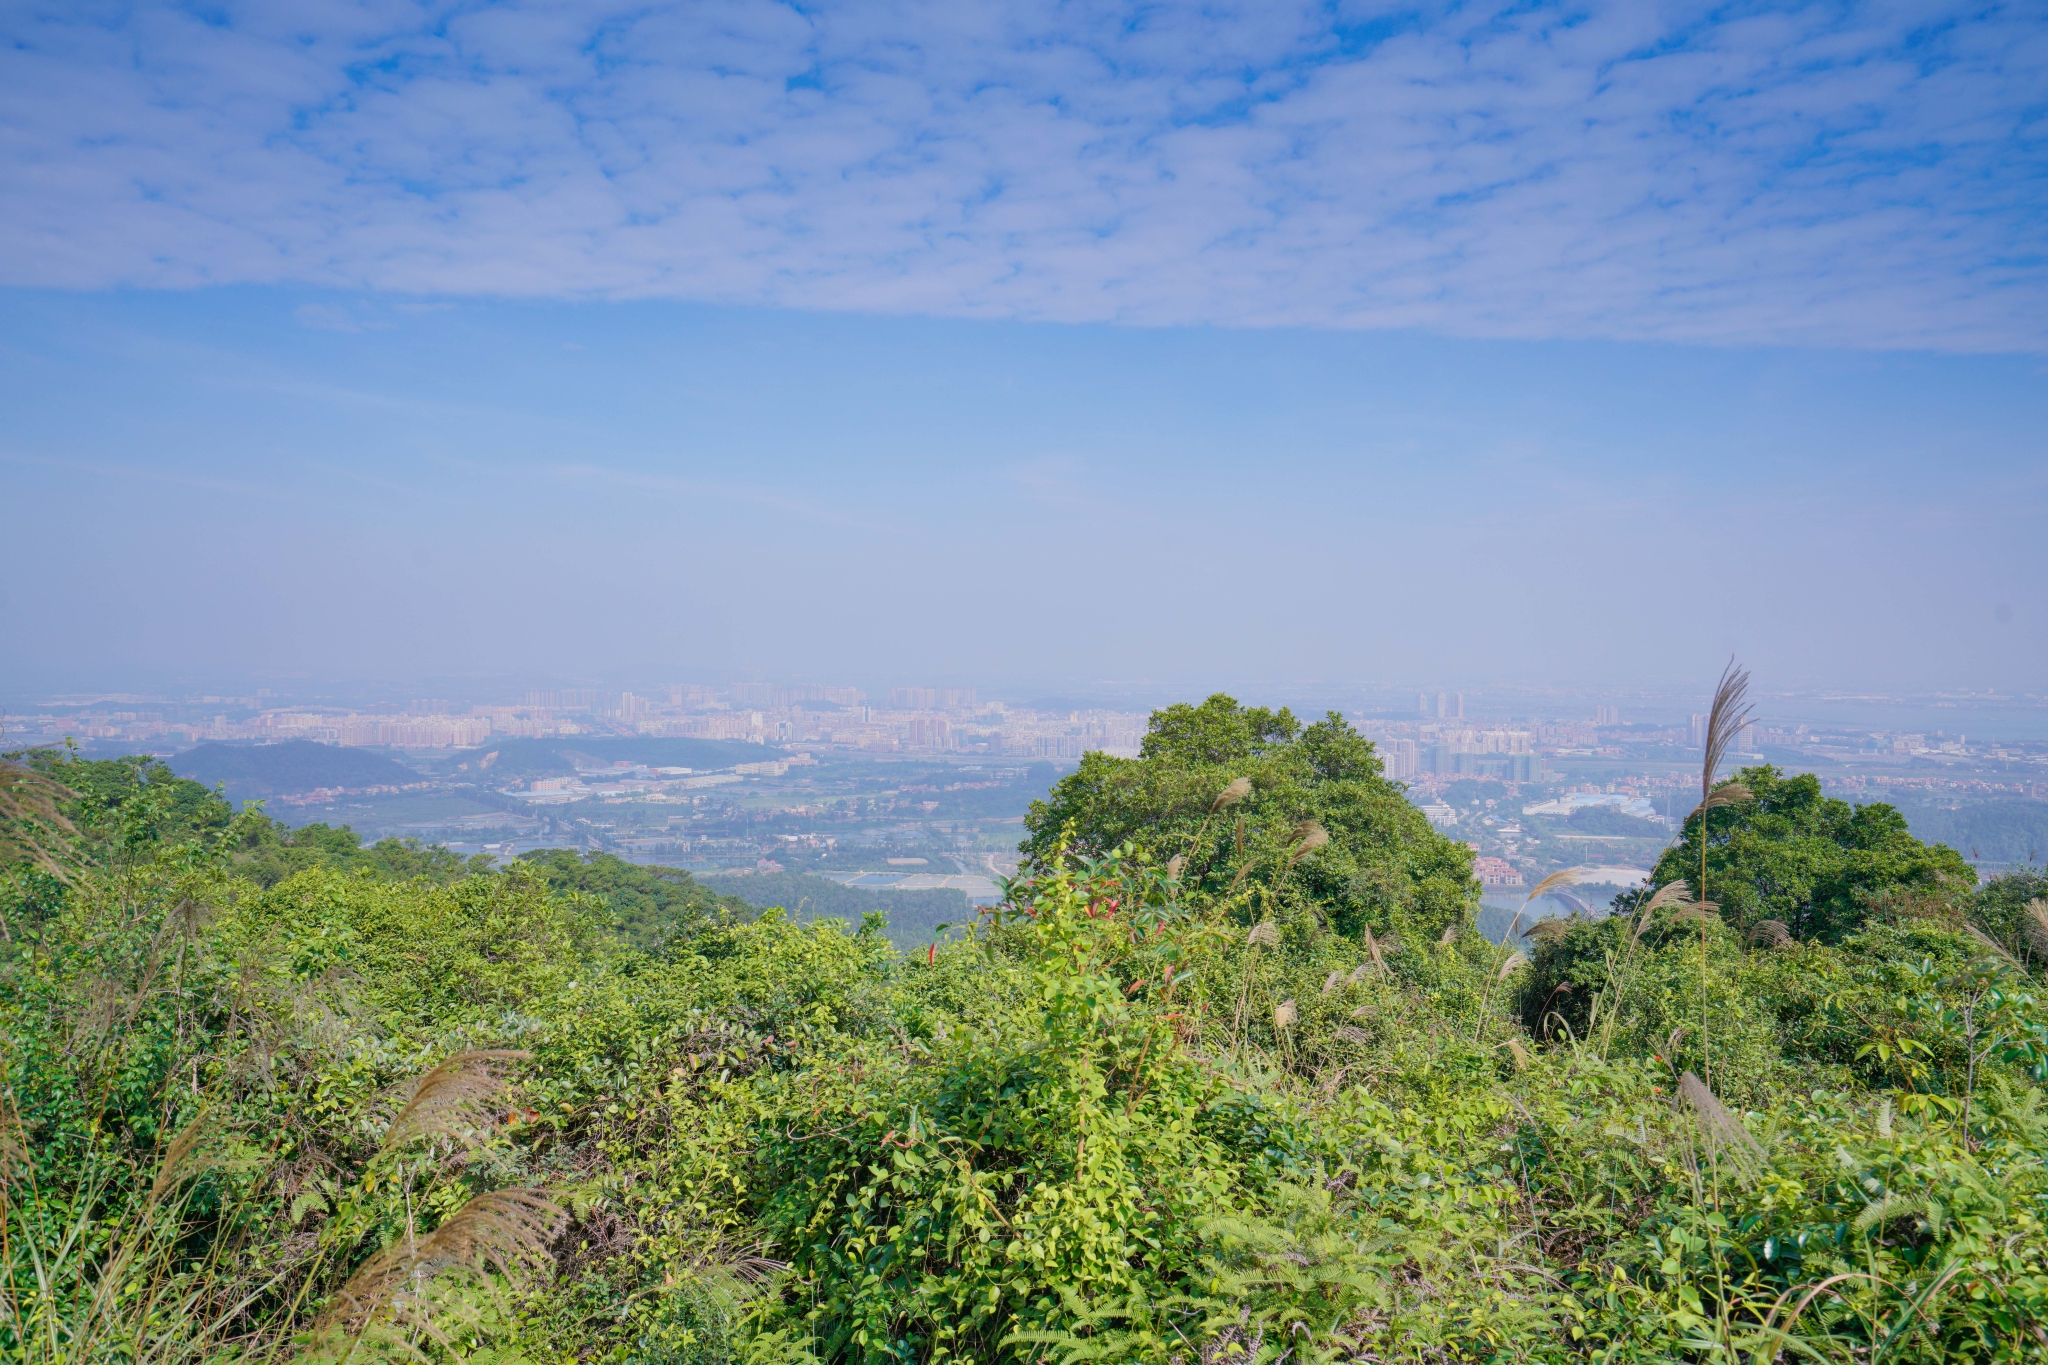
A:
1441, 705
1505, 755
935, 719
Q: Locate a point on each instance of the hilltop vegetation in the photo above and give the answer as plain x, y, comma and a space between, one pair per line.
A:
912, 917
1229, 1077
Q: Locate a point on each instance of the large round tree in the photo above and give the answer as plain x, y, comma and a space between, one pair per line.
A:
1239, 793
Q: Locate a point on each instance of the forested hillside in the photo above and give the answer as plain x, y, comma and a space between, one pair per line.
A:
252, 771
1230, 1076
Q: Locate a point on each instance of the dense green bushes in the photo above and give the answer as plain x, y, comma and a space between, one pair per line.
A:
1384, 867
1181, 1098
1814, 864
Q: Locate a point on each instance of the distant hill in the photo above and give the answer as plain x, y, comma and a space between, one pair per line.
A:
1996, 831
251, 771
518, 757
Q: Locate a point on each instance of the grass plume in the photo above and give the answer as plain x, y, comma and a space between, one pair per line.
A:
1722, 1130
1308, 837
1774, 932
32, 825
506, 1230
2034, 925
454, 1099
1238, 790
1727, 717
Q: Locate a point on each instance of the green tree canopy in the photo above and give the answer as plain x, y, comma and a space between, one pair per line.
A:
274, 852
1817, 864
124, 807
650, 904
1384, 866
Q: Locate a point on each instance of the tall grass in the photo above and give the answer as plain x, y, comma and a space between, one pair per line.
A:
1727, 717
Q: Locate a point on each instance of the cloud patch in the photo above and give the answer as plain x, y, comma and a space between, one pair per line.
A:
1818, 174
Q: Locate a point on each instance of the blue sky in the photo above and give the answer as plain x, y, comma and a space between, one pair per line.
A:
1025, 341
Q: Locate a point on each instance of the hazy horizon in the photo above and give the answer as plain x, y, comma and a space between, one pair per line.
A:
1032, 346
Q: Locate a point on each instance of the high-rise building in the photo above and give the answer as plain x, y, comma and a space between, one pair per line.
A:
1442, 705
928, 732
1606, 715
1699, 731
1422, 703
1458, 708
690, 695
572, 699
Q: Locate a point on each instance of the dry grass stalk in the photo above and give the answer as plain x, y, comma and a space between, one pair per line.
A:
1671, 893
1174, 866
1774, 932
1727, 794
1265, 933
1516, 961
454, 1099
29, 816
1727, 717
1519, 1053
1570, 876
189, 1153
1349, 1034
1990, 944
505, 1230
2035, 926
1308, 837
1333, 981
14, 1154
1284, 1014
1238, 790
1721, 1128
1548, 930
1449, 936
1372, 945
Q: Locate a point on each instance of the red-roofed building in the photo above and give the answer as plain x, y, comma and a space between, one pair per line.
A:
1495, 872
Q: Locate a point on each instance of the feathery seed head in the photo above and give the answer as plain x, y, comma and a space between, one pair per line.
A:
1238, 790
1727, 717
2035, 926
1570, 876
1774, 932
1308, 837
454, 1099
505, 1230
1717, 1125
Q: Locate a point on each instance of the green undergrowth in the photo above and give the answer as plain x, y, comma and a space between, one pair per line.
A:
1189, 1099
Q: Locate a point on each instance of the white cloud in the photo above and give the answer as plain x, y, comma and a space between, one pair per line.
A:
1809, 173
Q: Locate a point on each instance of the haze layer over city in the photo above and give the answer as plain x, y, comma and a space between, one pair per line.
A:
920, 684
